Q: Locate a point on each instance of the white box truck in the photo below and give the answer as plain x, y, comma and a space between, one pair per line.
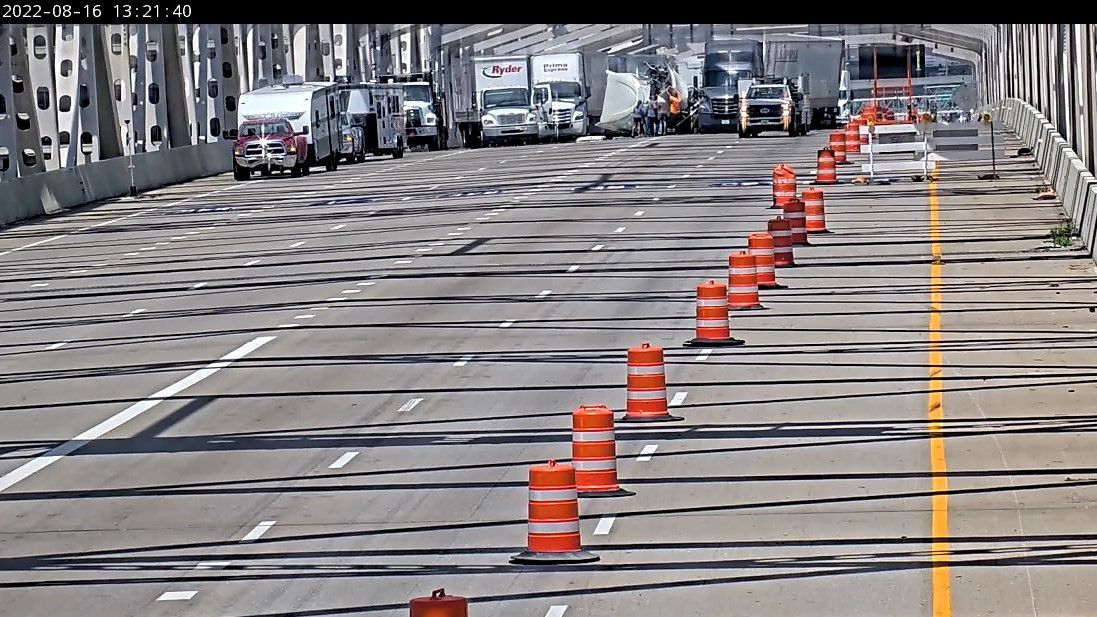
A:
312, 109
560, 95
503, 100
821, 60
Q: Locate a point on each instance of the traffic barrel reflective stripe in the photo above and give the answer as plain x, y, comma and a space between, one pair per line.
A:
646, 392
594, 452
439, 605
553, 530
781, 231
838, 145
760, 245
713, 327
742, 282
825, 172
853, 138
814, 211
784, 183
794, 214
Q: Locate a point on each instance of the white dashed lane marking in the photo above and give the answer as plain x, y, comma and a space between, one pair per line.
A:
342, 461
408, 406
646, 452
258, 531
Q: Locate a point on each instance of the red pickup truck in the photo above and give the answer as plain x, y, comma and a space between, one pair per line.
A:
269, 145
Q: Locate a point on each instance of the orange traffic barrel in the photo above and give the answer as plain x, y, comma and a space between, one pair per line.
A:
553, 535
824, 169
760, 245
838, 146
794, 214
713, 328
784, 184
813, 210
439, 605
743, 282
853, 138
647, 386
781, 231
594, 452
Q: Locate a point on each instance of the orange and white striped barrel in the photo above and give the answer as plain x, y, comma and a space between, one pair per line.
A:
647, 385
742, 282
838, 146
553, 534
713, 327
824, 168
438, 604
784, 183
594, 452
760, 245
794, 214
813, 210
781, 231
853, 138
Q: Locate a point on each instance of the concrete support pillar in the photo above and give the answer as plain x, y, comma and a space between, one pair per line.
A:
41, 83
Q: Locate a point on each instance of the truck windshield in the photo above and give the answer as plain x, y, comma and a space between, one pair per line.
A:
263, 128
568, 90
767, 92
506, 97
724, 78
418, 92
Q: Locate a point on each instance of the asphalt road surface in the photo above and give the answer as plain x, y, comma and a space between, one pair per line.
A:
320, 396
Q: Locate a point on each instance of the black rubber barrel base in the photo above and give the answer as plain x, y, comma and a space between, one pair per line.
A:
714, 342
774, 286
817, 183
666, 418
820, 231
554, 558
620, 492
756, 307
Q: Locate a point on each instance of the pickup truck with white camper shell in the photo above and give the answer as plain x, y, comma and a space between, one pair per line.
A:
312, 111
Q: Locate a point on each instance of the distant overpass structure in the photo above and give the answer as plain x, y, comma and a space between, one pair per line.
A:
77, 95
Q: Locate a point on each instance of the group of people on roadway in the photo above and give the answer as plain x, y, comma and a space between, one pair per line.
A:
651, 117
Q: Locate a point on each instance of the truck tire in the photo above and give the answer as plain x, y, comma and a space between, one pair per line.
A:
240, 173
295, 171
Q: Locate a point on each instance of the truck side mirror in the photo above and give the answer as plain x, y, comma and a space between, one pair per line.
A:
304, 131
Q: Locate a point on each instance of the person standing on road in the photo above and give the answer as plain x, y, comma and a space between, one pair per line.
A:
651, 116
675, 105
638, 119
661, 109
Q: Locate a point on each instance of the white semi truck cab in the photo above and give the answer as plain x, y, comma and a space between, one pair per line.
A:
560, 95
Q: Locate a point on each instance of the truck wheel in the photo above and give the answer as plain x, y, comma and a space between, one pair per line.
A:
240, 173
295, 171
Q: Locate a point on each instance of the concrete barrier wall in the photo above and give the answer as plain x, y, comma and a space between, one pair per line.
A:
53, 191
1064, 169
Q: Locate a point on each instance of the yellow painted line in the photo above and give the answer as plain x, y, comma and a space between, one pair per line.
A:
940, 549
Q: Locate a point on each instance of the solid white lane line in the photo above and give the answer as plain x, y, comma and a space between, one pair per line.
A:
338, 227
33, 244
604, 525
646, 452
463, 361
252, 262
639, 213
342, 461
557, 610
306, 316
55, 454
701, 357
135, 312
296, 244
408, 406
598, 247
678, 399
543, 293
40, 284
351, 291
172, 596
618, 230
56, 346
506, 324
573, 268
258, 531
